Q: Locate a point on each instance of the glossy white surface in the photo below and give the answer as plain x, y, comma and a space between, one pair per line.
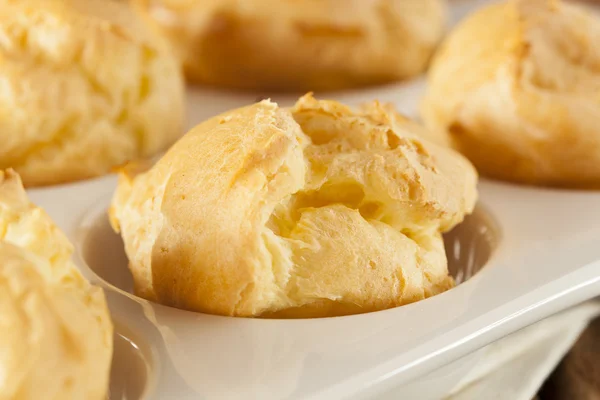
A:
547, 260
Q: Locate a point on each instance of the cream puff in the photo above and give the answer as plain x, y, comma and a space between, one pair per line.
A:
516, 87
318, 210
298, 45
84, 87
56, 332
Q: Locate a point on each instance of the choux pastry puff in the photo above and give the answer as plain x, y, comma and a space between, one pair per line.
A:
55, 330
84, 87
300, 45
516, 87
318, 210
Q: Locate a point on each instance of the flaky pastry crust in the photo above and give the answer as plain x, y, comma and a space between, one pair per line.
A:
318, 210
298, 45
516, 86
83, 88
56, 333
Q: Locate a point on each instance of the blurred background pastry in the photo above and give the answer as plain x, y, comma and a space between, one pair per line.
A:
315, 211
516, 87
56, 333
83, 87
298, 45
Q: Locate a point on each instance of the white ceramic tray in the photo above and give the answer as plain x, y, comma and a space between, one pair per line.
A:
540, 247
547, 258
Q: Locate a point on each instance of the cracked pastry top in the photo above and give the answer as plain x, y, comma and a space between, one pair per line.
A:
55, 329
516, 86
298, 44
318, 210
83, 88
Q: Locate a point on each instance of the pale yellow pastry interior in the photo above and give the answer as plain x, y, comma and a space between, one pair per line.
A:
298, 45
318, 210
55, 329
516, 87
84, 87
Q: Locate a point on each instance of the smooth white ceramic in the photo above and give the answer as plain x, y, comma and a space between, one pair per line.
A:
547, 259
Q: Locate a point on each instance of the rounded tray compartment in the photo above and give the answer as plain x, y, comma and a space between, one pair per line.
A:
131, 367
469, 246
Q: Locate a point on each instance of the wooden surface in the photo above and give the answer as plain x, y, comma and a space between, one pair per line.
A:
578, 375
